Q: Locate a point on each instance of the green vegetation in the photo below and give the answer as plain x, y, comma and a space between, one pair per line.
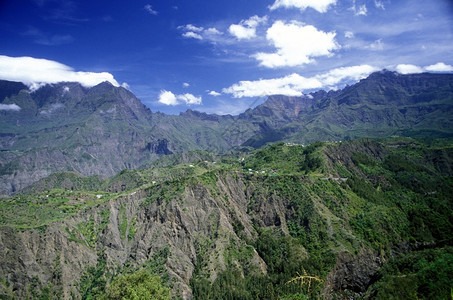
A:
137, 285
404, 197
93, 280
424, 274
88, 232
37, 210
122, 221
304, 206
281, 159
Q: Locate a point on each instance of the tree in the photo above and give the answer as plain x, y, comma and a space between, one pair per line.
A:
137, 285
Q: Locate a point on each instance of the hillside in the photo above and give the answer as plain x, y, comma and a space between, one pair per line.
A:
105, 129
353, 215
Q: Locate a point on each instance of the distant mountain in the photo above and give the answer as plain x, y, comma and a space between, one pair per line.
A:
384, 104
104, 129
65, 127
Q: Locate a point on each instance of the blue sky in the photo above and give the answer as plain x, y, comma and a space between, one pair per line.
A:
221, 56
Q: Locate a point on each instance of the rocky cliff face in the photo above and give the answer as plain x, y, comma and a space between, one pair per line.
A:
336, 211
195, 225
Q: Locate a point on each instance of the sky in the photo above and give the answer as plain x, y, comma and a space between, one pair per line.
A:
221, 56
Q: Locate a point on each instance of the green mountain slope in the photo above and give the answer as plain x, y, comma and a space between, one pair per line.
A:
327, 220
105, 129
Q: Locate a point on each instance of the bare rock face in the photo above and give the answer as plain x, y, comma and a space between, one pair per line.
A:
133, 230
353, 273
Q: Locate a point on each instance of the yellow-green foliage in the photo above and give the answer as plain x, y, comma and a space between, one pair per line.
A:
138, 285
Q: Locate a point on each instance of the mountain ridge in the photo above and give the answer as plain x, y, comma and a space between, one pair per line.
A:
66, 127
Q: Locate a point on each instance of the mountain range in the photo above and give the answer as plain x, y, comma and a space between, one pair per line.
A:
339, 194
104, 129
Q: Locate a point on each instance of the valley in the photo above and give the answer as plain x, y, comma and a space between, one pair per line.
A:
332, 195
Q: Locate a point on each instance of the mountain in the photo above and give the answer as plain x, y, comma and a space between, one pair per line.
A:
105, 129
363, 219
384, 104
65, 127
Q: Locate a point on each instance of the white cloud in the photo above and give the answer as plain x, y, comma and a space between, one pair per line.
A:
439, 67
150, 9
295, 84
214, 93
336, 76
296, 44
191, 27
189, 99
191, 34
408, 69
320, 5
13, 107
241, 32
361, 11
36, 72
413, 69
213, 31
186, 84
246, 29
349, 34
291, 85
379, 4
168, 98
199, 33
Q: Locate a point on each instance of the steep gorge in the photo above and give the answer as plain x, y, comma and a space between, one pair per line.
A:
281, 211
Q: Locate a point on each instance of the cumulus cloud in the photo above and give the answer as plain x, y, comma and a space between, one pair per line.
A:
413, 69
36, 72
191, 34
213, 31
408, 69
246, 29
191, 27
189, 99
214, 93
168, 98
296, 44
186, 84
439, 67
320, 5
13, 107
150, 9
295, 84
291, 85
338, 75
200, 33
